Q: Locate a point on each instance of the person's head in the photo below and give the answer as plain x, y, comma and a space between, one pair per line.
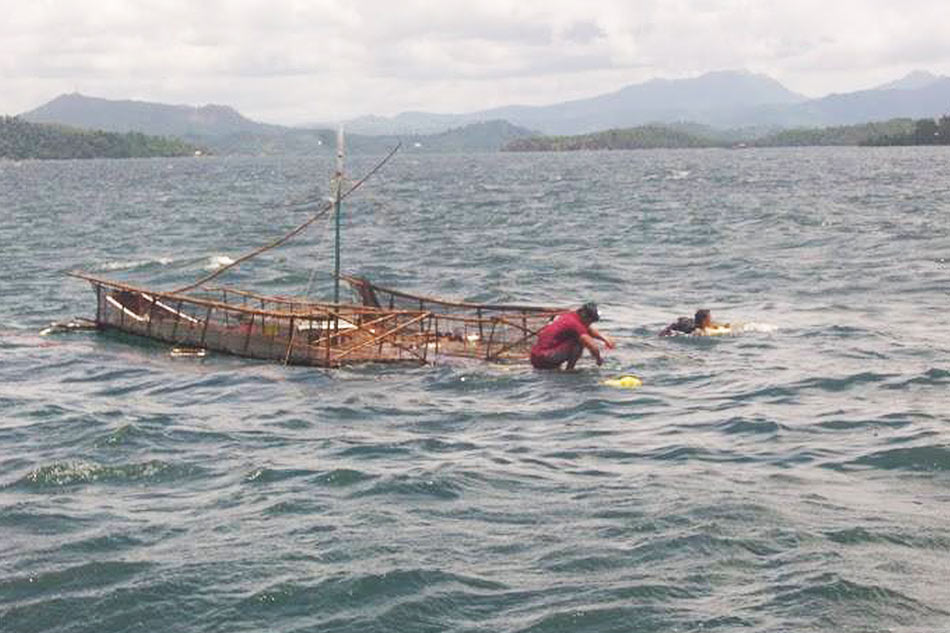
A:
702, 319
588, 313
684, 324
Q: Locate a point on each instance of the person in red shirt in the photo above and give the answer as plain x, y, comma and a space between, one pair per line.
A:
563, 340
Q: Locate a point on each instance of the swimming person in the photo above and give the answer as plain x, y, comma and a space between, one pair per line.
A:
699, 325
563, 340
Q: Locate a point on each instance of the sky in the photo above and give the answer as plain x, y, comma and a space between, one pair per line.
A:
308, 61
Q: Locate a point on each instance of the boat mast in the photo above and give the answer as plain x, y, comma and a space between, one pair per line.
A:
338, 186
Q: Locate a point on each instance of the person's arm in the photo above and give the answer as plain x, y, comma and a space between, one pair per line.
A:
606, 339
588, 341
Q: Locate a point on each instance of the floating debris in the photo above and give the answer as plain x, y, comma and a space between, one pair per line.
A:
78, 324
188, 352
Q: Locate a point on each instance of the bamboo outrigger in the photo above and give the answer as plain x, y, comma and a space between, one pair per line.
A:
384, 325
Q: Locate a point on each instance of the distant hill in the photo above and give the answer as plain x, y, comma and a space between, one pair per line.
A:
80, 111
487, 136
930, 100
911, 81
20, 140
701, 100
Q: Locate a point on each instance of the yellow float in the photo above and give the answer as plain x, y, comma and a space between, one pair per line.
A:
627, 381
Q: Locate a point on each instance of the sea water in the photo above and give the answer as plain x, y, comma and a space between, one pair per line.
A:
794, 476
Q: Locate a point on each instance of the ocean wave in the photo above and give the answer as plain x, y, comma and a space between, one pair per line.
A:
218, 261
741, 425
905, 538
134, 264
934, 458
83, 577
274, 475
66, 474
849, 425
342, 478
845, 604
401, 486
825, 383
754, 327
342, 596
932, 377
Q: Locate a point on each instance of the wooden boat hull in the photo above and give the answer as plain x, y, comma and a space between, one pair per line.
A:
300, 332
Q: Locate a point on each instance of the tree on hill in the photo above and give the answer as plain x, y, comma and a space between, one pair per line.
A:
20, 140
861, 134
644, 137
922, 132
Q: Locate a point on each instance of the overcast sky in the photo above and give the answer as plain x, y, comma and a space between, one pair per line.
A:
296, 61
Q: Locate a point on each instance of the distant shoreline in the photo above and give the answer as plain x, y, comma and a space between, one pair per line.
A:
895, 132
23, 140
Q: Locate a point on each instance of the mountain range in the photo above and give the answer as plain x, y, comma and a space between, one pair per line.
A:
723, 100
726, 99
224, 130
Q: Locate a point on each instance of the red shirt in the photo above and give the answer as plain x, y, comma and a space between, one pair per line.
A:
566, 327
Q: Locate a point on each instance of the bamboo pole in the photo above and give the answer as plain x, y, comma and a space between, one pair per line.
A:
204, 331
290, 344
337, 207
178, 320
99, 310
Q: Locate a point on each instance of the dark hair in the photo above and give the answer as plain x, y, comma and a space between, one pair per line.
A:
588, 312
683, 324
701, 316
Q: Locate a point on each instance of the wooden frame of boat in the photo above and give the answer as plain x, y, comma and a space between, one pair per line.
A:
488, 331
300, 332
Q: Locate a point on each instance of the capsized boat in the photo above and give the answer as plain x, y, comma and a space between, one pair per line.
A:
298, 331
383, 325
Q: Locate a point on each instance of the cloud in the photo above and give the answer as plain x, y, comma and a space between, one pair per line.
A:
583, 32
337, 58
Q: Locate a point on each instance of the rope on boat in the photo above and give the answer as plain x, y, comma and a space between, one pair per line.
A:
322, 212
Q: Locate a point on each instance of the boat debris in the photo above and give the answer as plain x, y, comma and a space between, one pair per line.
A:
77, 324
188, 352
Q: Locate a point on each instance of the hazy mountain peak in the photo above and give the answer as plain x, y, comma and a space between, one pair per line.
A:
911, 81
718, 88
81, 111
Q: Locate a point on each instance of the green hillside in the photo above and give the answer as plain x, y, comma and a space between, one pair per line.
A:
644, 137
919, 132
21, 140
892, 132
863, 134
